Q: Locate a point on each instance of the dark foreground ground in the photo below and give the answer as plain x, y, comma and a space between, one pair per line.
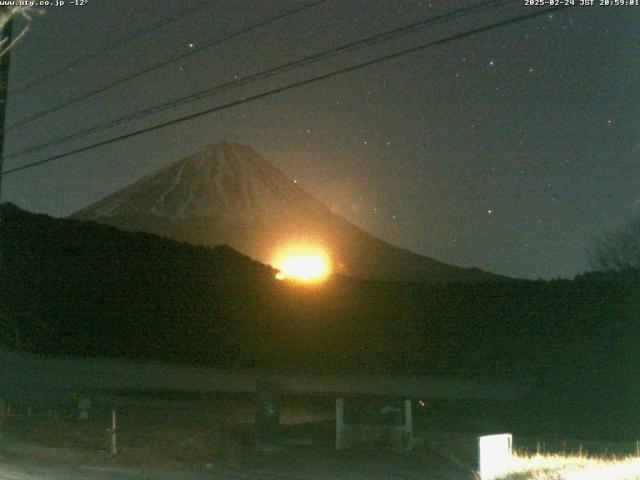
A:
188, 436
165, 437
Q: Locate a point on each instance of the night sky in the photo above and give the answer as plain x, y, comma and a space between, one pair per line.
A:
511, 150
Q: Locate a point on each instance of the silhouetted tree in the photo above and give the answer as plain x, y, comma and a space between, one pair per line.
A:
619, 249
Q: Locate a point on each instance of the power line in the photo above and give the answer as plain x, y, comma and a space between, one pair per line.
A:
164, 63
109, 47
291, 86
349, 47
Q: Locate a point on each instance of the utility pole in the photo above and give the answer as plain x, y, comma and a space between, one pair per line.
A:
4, 81
4, 87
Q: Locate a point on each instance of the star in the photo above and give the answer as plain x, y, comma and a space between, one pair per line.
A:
492, 63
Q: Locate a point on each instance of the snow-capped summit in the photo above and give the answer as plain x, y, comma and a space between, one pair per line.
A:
222, 179
228, 194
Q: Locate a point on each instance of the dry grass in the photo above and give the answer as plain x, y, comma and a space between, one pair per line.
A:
561, 467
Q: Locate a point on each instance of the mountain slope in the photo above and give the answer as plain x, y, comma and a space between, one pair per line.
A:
228, 194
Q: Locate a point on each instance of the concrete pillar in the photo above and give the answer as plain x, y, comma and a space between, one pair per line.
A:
339, 423
408, 425
267, 422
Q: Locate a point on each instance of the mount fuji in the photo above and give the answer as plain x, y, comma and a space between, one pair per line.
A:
228, 194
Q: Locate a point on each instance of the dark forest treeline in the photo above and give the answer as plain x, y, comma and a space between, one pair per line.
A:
87, 289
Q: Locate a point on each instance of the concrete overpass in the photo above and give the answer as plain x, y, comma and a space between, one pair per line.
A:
25, 374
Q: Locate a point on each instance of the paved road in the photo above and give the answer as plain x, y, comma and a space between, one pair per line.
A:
257, 466
47, 471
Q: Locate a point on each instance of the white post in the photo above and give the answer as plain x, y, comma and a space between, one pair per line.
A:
495, 455
114, 444
339, 423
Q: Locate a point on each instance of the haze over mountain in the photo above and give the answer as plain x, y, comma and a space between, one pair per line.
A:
228, 194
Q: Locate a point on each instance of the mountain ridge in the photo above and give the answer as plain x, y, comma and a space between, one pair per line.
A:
226, 193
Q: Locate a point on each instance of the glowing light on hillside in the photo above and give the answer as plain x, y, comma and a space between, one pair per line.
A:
305, 264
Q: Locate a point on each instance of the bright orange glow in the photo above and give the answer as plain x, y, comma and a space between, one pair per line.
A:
305, 264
